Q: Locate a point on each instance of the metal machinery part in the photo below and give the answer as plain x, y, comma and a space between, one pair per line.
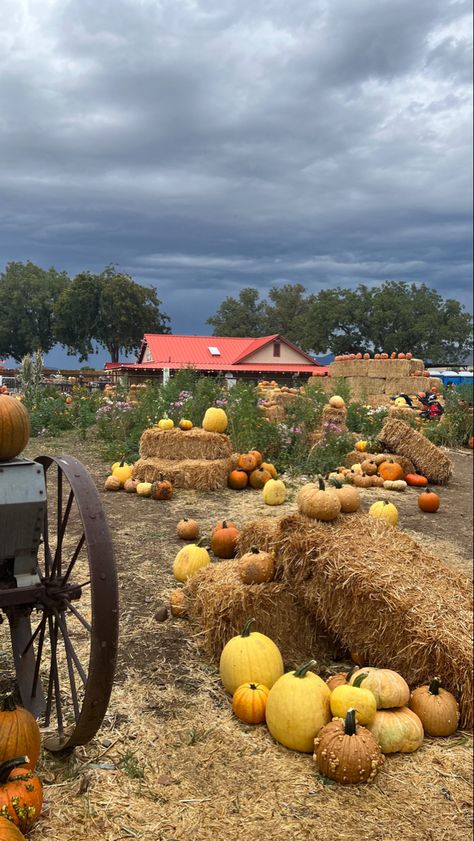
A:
58, 588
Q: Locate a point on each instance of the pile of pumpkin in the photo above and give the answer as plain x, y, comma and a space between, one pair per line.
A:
121, 478
21, 792
348, 722
264, 386
251, 471
349, 357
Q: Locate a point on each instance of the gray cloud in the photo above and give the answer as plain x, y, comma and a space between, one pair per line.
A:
208, 145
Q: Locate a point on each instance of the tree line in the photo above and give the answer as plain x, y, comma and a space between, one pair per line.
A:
40, 308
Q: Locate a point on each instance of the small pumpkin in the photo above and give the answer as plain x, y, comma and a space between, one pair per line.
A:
336, 402
348, 496
415, 480
256, 566
390, 470
189, 560
436, 708
257, 456
274, 492
318, 503
238, 479
400, 402
215, 420
247, 462
349, 695
144, 488
267, 465
178, 603
162, 489
369, 467
19, 733
378, 482
112, 483
249, 702
470, 443
259, 477
15, 429
250, 657
21, 792
165, 422
130, 486
346, 752
122, 472
297, 708
397, 730
185, 424
224, 541
428, 501
187, 529
340, 678
362, 481
384, 510
389, 688
397, 485
223, 524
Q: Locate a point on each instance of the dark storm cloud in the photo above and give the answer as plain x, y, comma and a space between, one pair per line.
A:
206, 145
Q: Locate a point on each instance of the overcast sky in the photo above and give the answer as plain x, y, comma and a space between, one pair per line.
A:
207, 145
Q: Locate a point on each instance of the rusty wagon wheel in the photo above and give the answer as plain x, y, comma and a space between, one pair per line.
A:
65, 665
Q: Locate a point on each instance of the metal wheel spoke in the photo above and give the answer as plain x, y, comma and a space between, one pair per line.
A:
71, 650
53, 682
74, 558
48, 558
39, 653
61, 532
80, 617
70, 668
32, 638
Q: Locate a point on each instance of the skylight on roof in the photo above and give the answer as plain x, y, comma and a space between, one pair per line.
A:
214, 351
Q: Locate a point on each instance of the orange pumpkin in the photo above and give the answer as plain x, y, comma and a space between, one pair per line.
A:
384, 355
391, 471
224, 541
257, 456
238, 479
19, 733
249, 702
162, 489
416, 480
21, 792
14, 427
247, 462
267, 465
223, 524
429, 501
259, 477
471, 442
10, 832
402, 355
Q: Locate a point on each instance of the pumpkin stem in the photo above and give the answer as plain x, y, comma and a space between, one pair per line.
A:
322, 486
350, 722
246, 630
255, 550
9, 765
351, 672
434, 686
359, 679
8, 704
304, 669
337, 484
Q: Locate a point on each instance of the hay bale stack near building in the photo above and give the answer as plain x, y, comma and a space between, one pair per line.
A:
334, 419
377, 380
193, 459
428, 459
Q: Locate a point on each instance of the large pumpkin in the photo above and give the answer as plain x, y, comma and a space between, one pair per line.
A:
390, 688
316, 502
391, 470
297, 708
21, 792
346, 752
250, 657
274, 492
348, 496
19, 733
224, 541
436, 708
14, 427
397, 731
188, 560
9, 832
122, 471
215, 420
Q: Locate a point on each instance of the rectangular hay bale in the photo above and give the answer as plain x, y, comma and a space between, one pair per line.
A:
220, 604
428, 459
405, 385
181, 444
193, 474
387, 368
417, 366
365, 386
357, 576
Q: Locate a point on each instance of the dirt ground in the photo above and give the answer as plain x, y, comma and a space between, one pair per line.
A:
171, 763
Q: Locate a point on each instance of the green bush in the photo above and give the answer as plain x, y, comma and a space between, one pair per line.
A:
455, 427
51, 415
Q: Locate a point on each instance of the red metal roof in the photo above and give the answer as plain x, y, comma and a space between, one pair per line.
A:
262, 368
174, 351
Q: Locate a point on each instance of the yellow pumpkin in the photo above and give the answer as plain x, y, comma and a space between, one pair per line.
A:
165, 423
297, 708
185, 424
389, 688
144, 488
267, 465
347, 696
188, 560
122, 472
383, 510
361, 446
250, 657
215, 420
274, 492
397, 731
336, 402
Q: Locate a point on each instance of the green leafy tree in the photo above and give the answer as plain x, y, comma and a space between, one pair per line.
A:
242, 316
109, 309
337, 321
28, 295
286, 313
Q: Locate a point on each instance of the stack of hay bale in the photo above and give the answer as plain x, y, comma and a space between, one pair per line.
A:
334, 418
428, 459
356, 581
193, 458
377, 380
274, 399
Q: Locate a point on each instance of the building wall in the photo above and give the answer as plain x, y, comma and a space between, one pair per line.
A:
287, 355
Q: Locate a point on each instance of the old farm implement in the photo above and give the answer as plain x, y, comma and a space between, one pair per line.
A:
58, 591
